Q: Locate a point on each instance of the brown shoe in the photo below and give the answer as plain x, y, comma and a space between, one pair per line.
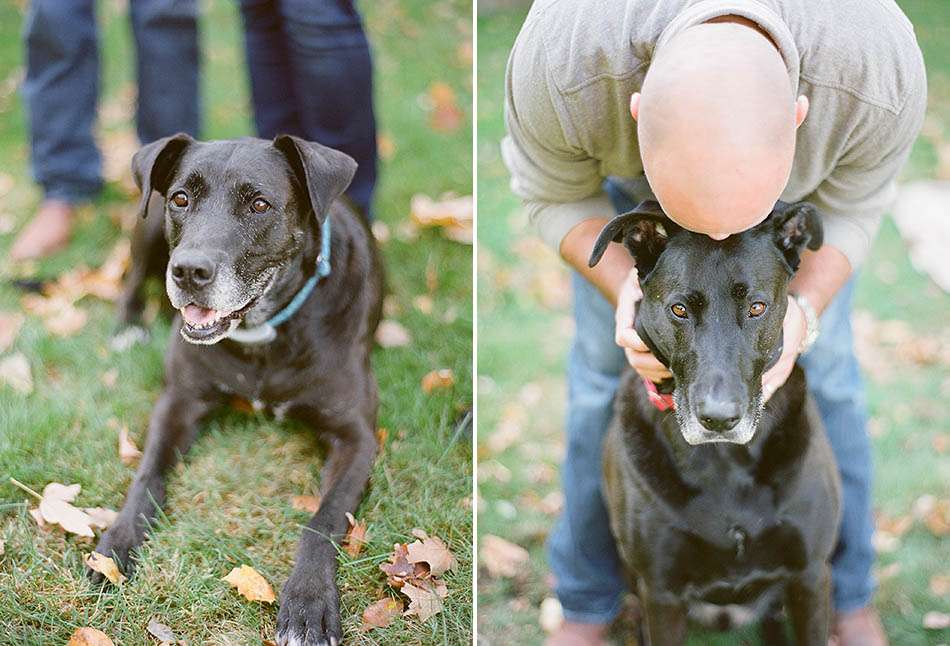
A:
859, 628
575, 634
46, 233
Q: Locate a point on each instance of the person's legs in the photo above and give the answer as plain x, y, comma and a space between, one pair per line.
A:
166, 41
332, 77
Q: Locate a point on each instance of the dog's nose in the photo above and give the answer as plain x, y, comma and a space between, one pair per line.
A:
718, 416
192, 269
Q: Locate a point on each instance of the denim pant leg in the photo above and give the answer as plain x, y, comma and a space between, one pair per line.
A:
581, 548
60, 92
835, 382
166, 43
326, 73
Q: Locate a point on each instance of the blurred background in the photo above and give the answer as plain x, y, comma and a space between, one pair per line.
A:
902, 321
233, 499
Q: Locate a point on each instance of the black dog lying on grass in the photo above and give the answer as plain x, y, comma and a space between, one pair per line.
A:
279, 291
727, 501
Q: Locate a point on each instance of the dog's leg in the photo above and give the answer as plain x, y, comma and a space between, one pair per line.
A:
309, 602
666, 623
172, 429
149, 255
808, 600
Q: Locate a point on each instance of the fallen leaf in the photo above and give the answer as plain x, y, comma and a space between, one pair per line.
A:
15, 373
423, 303
438, 380
56, 509
161, 631
936, 620
446, 115
128, 452
305, 503
381, 613
382, 434
455, 215
101, 517
391, 334
10, 323
89, 637
940, 585
381, 231
434, 552
105, 566
399, 569
355, 537
937, 519
110, 377
424, 602
386, 146
250, 584
502, 558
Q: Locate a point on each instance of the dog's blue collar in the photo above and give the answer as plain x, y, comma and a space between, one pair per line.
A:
267, 331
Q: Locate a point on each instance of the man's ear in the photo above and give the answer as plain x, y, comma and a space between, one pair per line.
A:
323, 171
644, 231
153, 165
795, 227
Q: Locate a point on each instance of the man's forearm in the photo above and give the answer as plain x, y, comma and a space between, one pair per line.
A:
821, 274
613, 268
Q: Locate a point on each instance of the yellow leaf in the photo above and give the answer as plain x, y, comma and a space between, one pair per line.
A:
249, 583
438, 380
105, 566
128, 452
55, 508
89, 637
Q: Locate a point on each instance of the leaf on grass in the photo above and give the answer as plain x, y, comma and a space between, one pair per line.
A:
109, 377
424, 602
67, 321
10, 323
446, 114
161, 631
105, 566
89, 637
381, 613
101, 517
399, 569
455, 215
940, 585
128, 452
936, 620
386, 146
15, 373
502, 558
56, 508
305, 503
438, 380
432, 551
250, 584
392, 334
355, 537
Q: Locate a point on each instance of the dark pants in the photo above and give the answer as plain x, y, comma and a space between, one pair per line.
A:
62, 85
311, 76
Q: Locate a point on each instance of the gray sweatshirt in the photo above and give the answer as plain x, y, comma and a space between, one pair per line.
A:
576, 63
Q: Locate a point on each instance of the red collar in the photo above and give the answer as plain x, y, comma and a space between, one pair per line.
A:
662, 401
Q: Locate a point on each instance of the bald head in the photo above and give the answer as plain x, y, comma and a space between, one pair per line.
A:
716, 123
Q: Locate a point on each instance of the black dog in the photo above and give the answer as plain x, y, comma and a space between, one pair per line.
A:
257, 237
726, 502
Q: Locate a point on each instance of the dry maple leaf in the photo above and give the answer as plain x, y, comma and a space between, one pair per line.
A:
424, 602
56, 508
15, 372
101, 517
161, 631
392, 334
10, 323
438, 380
250, 584
305, 503
355, 537
399, 569
433, 551
381, 613
128, 452
502, 558
105, 566
89, 637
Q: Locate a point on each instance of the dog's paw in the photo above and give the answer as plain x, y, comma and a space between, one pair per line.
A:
117, 543
309, 615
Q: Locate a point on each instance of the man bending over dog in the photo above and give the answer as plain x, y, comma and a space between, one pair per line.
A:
702, 105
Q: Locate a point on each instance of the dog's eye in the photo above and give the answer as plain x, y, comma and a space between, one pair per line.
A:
756, 310
180, 199
679, 310
260, 205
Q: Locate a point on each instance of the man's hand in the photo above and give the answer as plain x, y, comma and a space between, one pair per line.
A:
793, 332
638, 354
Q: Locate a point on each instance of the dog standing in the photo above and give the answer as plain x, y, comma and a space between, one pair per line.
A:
726, 500
279, 292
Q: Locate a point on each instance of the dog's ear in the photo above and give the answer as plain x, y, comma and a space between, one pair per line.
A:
323, 171
643, 231
796, 226
153, 164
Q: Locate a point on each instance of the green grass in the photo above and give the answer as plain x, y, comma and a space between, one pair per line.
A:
229, 500
524, 330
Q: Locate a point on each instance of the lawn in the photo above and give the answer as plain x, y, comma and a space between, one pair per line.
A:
229, 501
525, 329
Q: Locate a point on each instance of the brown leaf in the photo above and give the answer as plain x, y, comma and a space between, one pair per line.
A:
456, 215
424, 602
433, 551
936, 620
15, 373
163, 632
391, 334
250, 584
105, 566
10, 323
381, 613
438, 380
502, 558
446, 115
305, 503
355, 537
128, 452
89, 637
399, 569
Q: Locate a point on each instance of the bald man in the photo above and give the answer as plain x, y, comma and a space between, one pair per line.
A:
716, 108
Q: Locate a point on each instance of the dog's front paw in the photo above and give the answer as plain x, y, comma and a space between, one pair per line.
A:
309, 614
117, 543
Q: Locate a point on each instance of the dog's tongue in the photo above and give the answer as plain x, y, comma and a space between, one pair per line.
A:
196, 315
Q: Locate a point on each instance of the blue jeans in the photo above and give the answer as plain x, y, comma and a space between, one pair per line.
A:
62, 85
581, 548
312, 76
